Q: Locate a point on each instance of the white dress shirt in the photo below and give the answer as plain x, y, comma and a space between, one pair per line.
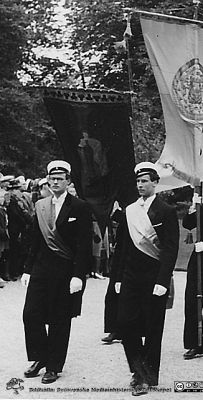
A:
146, 203
58, 202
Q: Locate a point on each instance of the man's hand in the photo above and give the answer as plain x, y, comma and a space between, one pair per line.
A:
159, 290
75, 285
117, 287
25, 279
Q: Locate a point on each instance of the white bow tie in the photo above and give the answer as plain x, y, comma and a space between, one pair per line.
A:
141, 202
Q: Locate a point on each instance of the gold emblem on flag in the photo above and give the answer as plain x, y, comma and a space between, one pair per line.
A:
187, 91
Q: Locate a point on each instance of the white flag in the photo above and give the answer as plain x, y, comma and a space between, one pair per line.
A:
175, 49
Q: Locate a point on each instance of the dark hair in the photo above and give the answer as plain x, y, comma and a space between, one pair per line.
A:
154, 176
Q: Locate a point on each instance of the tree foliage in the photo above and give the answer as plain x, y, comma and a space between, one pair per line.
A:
97, 25
26, 137
86, 34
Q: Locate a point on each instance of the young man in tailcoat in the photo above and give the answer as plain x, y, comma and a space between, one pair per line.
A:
55, 272
150, 240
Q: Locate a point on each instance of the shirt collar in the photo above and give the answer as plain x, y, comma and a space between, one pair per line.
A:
59, 199
147, 203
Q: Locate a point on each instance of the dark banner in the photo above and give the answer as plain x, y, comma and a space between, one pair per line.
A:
94, 131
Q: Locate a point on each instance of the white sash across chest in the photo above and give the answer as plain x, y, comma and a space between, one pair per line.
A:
141, 230
44, 211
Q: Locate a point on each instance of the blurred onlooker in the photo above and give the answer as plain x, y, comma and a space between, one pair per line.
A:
72, 190
19, 221
111, 297
4, 237
35, 193
99, 251
44, 188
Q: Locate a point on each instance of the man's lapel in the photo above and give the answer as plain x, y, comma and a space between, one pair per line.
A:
154, 211
65, 209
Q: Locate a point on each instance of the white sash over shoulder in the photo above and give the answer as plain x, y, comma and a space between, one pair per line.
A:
141, 230
51, 236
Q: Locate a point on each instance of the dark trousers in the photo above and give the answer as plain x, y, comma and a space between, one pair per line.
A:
15, 266
141, 319
190, 335
47, 322
111, 309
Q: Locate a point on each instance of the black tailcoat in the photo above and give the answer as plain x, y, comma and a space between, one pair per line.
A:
190, 336
48, 299
140, 313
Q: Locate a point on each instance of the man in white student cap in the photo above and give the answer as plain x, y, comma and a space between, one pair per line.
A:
57, 268
58, 166
150, 239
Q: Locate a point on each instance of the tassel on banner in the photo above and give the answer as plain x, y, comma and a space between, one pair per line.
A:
189, 238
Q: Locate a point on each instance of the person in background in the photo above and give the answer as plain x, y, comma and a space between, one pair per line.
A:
35, 193
150, 247
97, 243
72, 190
19, 219
111, 297
4, 238
190, 335
44, 188
55, 273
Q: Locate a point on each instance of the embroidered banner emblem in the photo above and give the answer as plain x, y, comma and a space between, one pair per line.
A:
187, 91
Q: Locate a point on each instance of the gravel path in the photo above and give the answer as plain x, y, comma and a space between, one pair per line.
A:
93, 370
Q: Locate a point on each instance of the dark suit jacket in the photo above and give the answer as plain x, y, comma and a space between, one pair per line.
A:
47, 268
164, 220
75, 234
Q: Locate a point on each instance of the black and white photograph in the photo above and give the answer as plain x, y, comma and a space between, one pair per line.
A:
101, 199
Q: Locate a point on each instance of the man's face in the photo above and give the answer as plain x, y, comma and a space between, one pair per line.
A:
58, 183
145, 186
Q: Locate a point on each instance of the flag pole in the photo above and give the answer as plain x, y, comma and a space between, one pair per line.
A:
127, 35
199, 271
150, 14
130, 80
198, 189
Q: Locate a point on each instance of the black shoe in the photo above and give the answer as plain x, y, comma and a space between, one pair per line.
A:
110, 338
49, 377
34, 369
138, 390
192, 353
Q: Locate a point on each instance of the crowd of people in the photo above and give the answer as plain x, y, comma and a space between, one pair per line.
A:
16, 213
